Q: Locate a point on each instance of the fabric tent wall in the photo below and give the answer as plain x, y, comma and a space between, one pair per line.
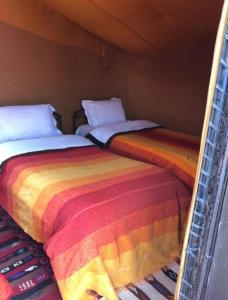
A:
170, 89
46, 58
35, 17
35, 70
38, 66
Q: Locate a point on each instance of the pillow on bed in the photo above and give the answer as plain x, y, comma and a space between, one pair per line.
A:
27, 121
104, 112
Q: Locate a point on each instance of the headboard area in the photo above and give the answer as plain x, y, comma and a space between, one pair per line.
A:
58, 118
79, 118
104, 111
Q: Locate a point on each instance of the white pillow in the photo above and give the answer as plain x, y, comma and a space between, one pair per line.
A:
27, 121
104, 112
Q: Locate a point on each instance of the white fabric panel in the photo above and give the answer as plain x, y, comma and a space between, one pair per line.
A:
104, 133
12, 148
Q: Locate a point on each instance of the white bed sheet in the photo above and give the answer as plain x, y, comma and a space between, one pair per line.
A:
104, 133
10, 149
84, 129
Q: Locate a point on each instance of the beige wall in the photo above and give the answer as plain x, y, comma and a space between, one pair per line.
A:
36, 70
46, 58
35, 17
170, 89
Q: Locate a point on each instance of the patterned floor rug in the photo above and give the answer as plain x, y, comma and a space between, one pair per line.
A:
24, 263
157, 286
27, 268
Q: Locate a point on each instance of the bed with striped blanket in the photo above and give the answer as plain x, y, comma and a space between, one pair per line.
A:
26, 268
105, 220
172, 150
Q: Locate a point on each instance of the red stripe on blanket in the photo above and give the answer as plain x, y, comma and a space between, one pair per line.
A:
55, 207
90, 220
168, 137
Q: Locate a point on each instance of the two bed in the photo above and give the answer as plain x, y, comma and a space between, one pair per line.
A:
105, 220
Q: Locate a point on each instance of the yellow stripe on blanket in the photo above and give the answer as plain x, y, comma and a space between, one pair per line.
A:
30, 203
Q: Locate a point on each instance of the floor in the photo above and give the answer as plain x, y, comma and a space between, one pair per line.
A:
27, 268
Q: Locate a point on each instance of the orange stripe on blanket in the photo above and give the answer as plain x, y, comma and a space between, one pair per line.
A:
19, 163
48, 160
180, 157
41, 224
50, 182
42, 176
185, 157
117, 238
56, 206
27, 168
173, 151
180, 168
98, 274
110, 211
173, 137
100, 237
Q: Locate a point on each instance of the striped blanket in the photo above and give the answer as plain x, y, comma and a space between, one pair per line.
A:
105, 220
174, 151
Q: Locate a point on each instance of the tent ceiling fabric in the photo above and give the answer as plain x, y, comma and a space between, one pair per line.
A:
144, 26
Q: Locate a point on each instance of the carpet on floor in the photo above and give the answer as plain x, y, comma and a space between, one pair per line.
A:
27, 269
